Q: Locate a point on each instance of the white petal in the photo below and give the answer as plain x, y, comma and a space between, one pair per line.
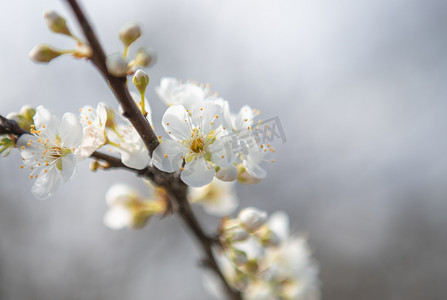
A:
88, 116
119, 193
244, 119
222, 150
137, 158
45, 184
188, 95
68, 166
197, 173
226, 111
224, 206
207, 116
168, 156
166, 88
101, 111
278, 222
117, 217
92, 138
45, 117
29, 153
227, 174
177, 123
252, 166
70, 131
46, 120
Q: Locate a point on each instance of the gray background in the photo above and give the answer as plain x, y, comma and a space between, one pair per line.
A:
359, 87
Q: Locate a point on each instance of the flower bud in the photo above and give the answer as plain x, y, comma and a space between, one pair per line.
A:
252, 218
141, 80
145, 57
55, 22
116, 65
43, 53
83, 51
129, 33
28, 112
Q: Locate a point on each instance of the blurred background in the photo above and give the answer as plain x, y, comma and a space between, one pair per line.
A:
360, 89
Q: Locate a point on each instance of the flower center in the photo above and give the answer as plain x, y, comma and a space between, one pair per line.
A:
197, 143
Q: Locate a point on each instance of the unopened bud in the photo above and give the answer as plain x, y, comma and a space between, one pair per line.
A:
252, 218
44, 53
129, 33
28, 112
95, 165
116, 65
56, 23
140, 80
83, 51
145, 57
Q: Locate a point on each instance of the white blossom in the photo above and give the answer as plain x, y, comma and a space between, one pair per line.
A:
172, 91
94, 136
197, 140
50, 150
128, 209
217, 198
124, 138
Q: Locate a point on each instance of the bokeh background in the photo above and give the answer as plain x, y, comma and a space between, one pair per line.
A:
360, 89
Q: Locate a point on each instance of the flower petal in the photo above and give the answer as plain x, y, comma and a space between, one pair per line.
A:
226, 205
278, 222
68, 166
197, 173
45, 118
120, 193
101, 110
117, 217
254, 169
166, 89
222, 150
45, 184
207, 116
70, 131
177, 123
93, 137
244, 119
136, 158
227, 174
168, 156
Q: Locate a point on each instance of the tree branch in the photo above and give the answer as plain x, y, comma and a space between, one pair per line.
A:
177, 190
117, 84
10, 127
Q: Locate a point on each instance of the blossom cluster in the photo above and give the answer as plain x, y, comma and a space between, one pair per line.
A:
206, 139
263, 261
208, 145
